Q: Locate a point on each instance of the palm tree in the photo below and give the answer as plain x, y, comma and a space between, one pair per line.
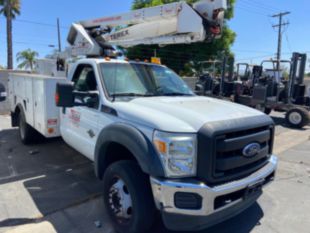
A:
10, 9
27, 59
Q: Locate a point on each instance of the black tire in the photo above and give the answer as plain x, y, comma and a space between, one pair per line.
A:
301, 119
27, 134
263, 109
268, 111
137, 186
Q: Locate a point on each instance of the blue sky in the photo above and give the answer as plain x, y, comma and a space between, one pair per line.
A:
256, 38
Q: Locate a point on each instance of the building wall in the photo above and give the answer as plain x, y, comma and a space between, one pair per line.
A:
4, 75
4, 106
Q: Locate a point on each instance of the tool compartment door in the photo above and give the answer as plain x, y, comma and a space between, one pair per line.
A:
52, 114
39, 114
46, 114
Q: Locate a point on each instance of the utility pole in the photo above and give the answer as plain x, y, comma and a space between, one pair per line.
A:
279, 26
59, 38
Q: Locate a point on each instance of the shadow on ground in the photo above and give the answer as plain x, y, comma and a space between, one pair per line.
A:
63, 188
51, 173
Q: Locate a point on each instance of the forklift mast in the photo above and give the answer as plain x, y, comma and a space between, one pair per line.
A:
257, 73
227, 73
297, 75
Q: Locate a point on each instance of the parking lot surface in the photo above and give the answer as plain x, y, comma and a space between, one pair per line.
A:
51, 188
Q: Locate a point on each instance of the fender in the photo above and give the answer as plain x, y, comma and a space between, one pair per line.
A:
135, 141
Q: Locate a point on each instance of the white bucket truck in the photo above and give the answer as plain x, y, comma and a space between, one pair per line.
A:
154, 143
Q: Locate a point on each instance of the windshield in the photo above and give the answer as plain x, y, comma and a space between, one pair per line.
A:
132, 79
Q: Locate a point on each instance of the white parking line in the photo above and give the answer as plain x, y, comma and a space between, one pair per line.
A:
4, 122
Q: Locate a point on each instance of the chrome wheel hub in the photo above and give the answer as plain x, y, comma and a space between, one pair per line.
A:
120, 200
295, 118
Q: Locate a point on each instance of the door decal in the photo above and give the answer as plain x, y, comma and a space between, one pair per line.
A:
75, 117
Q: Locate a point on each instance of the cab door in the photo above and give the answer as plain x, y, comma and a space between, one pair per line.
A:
81, 122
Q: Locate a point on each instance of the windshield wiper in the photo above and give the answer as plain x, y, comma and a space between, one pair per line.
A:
131, 95
176, 94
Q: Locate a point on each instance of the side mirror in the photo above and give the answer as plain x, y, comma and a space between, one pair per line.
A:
64, 96
3, 93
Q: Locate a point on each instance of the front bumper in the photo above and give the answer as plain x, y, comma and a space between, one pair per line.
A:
209, 214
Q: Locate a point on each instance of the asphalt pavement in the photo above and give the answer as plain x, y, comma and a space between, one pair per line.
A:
51, 188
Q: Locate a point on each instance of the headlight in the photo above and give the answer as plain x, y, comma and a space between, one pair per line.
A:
178, 153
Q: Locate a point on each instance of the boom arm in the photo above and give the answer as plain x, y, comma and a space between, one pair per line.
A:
173, 23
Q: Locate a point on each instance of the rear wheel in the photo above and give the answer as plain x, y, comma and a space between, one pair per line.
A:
264, 109
128, 198
26, 132
267, 111
297, 117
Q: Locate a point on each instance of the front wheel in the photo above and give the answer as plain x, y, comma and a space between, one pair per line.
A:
128, 198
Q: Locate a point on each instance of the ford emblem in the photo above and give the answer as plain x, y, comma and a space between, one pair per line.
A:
251, 150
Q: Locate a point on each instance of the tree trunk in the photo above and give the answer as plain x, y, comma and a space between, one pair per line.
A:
9, 41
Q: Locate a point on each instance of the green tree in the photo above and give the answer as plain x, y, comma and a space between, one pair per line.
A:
176, 56
10, 9
27, 59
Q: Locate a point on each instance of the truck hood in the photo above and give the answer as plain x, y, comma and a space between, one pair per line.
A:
180, 114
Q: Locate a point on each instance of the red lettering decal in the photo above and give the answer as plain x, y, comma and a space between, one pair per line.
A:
75, 117
101, 20
51, 122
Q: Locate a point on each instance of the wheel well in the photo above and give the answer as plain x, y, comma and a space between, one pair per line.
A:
114, 152
15, 116
17, 110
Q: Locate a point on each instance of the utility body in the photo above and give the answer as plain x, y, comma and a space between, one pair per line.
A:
156, 145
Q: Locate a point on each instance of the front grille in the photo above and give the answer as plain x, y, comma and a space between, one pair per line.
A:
220, 157
229, 160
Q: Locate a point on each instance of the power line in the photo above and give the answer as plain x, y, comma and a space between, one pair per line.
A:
261, 5
250, 51
34, 43
256, 57
250, 58
288, 42
38, 23
250, 11
257, 8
